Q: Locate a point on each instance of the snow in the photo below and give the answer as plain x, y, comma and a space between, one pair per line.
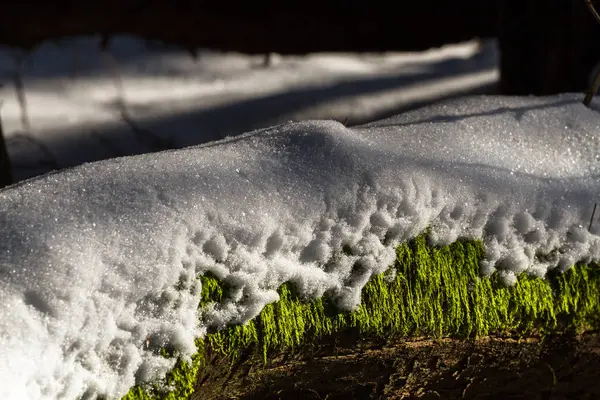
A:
90, 257
74, 93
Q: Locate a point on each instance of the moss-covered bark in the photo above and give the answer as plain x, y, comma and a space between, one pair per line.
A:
434, 291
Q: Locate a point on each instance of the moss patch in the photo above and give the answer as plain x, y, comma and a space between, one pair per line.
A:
435, 291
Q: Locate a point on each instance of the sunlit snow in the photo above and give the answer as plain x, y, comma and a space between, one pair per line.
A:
90, 257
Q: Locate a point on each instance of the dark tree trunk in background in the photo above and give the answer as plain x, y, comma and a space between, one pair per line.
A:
5, 169
546, 46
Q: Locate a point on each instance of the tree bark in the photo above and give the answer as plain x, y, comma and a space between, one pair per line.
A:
559, 366
546, 46
5, 168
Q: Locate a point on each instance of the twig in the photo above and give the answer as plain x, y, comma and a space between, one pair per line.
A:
593, 10
113, 150
114, 69
50, 161
268, 60
20, 90
592, 219
144, 137
105, 41
193, 51
74, 62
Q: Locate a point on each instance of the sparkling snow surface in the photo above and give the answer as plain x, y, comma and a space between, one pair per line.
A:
90, 257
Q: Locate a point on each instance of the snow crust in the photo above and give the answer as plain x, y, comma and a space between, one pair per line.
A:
98, 262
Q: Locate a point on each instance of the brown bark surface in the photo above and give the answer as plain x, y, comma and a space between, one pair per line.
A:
560, 367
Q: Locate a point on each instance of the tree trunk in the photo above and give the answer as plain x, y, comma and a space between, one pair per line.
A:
5, 169
546, 46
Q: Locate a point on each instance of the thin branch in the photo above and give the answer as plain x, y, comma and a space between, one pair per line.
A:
268, 60
145, 137
110, 61
140, 135
50, 159
112, 148
74, 62
20, 90
593, 10
592, 219
193, 51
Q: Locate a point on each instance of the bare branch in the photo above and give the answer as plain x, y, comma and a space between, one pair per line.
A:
49, 160
112, 148
593, 10
113, 66
20, 90
145, 137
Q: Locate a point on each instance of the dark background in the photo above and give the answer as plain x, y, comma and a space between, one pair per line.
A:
547, 46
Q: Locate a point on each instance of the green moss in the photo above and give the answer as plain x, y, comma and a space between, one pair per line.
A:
435, 291
179, 382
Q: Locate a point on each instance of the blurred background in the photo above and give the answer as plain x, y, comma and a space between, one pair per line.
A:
84, 81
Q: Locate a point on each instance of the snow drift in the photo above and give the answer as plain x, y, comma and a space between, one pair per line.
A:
98, 263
